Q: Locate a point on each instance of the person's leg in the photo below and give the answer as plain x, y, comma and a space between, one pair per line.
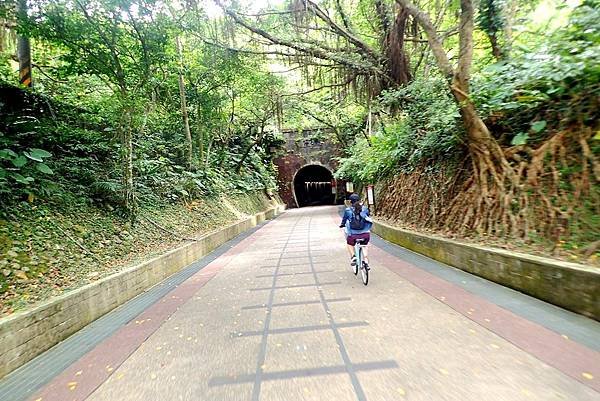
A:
350, 247
350, 250
367, 238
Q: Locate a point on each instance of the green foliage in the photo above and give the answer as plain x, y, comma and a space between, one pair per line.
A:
523, 100
118, 41
109, 66
538, 126
342, 117
424, 129
15, 165
490, 18
22, 170
556, 85
106, 65
41, 257
370, 162
520, 139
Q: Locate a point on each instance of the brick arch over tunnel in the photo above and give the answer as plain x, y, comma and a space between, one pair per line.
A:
312, 186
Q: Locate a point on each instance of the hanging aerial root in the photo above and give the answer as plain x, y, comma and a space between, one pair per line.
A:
530, 190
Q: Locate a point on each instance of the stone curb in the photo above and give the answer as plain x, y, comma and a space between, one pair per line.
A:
568, 285
26, 334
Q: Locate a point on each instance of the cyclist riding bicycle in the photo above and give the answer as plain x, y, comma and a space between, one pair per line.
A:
357, 224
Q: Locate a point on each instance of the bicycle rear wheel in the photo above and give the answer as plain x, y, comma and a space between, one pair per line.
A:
364, 272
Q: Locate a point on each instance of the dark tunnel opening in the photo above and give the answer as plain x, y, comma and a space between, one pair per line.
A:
312, 186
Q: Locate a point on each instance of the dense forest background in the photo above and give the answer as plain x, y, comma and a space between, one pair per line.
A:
135, 136
149, 121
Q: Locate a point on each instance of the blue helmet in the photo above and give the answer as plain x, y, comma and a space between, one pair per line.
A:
354, 198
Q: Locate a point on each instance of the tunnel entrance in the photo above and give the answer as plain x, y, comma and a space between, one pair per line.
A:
312, 186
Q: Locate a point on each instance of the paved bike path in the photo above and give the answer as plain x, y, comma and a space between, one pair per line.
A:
281, 317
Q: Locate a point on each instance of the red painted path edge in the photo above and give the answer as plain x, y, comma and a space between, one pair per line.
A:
83, 377
569, 357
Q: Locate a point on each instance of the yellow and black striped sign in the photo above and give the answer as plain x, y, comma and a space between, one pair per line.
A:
24, 56
25, 75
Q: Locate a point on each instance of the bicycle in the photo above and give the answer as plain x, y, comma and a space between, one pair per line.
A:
358, 254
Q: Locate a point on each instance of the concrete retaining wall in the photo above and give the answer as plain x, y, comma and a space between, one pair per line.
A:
27, 334
572, 286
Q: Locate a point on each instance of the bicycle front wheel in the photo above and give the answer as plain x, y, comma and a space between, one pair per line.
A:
364, 272
358, 261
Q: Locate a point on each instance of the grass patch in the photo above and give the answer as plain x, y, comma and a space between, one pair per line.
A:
50, 249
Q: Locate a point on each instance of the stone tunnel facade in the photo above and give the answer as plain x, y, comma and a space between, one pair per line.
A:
305, 172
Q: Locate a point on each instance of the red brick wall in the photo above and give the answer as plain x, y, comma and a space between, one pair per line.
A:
286, 168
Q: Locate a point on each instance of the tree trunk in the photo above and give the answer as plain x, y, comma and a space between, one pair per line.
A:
458, 78
492, 22
129, 201
200, 135
509, 12
24, 51
480, 139
208, 149
184, 113
249, 149
485, 202
398, 64
232, 115
496, 50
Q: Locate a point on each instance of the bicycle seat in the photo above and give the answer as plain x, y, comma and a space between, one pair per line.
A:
360, 240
